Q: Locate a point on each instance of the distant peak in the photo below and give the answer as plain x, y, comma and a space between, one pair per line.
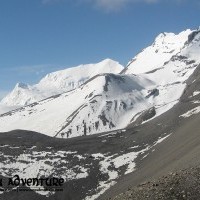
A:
169, 36
109, 60
21, 85
162, 35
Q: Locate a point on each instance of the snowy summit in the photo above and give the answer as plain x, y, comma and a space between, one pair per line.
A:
100, 98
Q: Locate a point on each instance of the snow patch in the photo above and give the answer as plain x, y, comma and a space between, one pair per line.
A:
161, 139
194, 111
41, 164
195, 93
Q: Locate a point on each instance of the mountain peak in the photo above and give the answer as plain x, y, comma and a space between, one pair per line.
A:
168, 37
165, 46
21, 85
59, 82
108, 60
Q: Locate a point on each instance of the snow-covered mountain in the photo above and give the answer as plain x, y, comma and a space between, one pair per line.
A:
169, 75
163, 48
105, 102
58, 82
110, 101
5, 108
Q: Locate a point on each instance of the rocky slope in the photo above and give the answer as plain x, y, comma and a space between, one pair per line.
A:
103, 165
182, 184
178, 151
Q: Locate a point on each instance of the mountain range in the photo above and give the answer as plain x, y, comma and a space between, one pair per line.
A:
90, 99
58, 82
105, 127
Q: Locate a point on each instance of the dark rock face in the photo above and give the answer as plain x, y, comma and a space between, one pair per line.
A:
193, 84
112, 77
154, 93
192, 36
144, 116
149, 114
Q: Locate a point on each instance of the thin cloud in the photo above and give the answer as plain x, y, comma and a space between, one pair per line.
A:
116, 5
109, 5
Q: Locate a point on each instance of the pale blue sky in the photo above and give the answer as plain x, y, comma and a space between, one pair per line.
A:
40, 36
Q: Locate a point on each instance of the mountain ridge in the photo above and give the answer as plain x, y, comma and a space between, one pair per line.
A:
110, 101
58, 82
160, 51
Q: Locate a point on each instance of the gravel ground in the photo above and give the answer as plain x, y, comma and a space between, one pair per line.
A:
180, 185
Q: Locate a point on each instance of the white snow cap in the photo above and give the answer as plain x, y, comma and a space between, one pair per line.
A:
164, 47
58, 82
